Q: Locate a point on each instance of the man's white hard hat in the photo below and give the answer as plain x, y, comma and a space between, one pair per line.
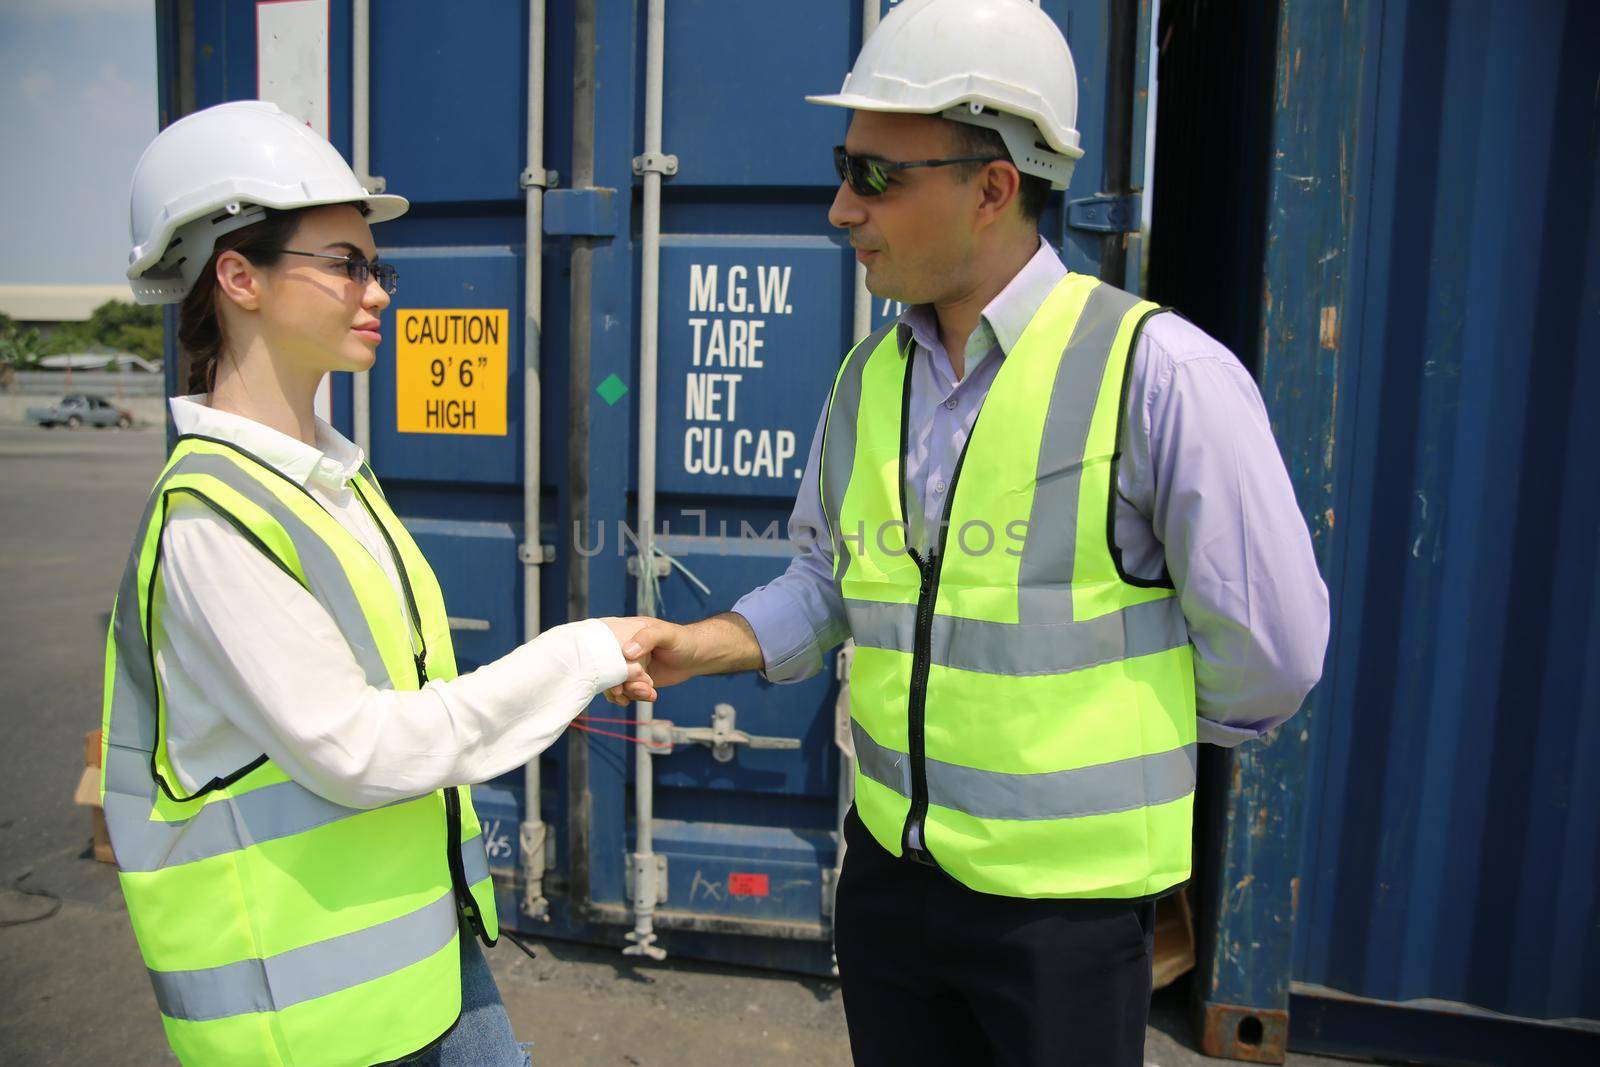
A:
217, 170
996, 63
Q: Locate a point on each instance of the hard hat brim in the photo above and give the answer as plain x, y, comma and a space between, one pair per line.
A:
381, 207
862, 102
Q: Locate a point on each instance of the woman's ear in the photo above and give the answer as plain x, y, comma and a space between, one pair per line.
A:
238, 280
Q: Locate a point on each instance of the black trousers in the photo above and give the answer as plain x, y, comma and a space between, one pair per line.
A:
936, 973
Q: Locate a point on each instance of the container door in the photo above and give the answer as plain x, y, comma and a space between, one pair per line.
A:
757, 306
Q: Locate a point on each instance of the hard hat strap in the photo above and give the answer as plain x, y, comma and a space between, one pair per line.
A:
1029, 152
195, 240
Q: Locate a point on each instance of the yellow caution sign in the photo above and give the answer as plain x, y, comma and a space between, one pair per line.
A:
451, 371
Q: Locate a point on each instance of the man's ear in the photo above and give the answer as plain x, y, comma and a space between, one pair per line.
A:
999, 184
238, 280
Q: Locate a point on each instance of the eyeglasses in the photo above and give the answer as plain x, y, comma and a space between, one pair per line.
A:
357, 267
870, 177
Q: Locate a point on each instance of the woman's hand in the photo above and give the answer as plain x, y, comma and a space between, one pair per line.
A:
639, 685
671, 653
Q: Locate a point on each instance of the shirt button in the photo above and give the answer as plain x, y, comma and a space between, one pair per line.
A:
938, 487
950, 405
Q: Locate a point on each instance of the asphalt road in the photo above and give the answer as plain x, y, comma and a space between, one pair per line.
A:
72, 990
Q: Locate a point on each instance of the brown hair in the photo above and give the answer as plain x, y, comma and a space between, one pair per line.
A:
199, 325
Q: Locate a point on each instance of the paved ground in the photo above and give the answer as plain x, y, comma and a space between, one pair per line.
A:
71, 987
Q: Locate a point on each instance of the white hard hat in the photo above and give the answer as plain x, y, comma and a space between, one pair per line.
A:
996, 63
215, 171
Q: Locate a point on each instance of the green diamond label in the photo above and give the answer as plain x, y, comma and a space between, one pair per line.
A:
611, 389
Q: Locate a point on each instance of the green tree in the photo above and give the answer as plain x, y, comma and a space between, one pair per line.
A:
20, 348
116, 326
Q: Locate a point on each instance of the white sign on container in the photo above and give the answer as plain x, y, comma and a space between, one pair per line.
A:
292, 72
292, 58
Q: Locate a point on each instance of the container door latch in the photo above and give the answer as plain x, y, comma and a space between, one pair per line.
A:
721, 735
1105, 214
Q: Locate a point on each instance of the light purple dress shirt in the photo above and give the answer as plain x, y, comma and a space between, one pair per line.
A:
1202, 491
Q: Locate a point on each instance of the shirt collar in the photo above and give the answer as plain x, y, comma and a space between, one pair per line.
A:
1006, 316
330, 464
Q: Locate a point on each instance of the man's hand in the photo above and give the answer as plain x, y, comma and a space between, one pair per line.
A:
671, 653
623, 629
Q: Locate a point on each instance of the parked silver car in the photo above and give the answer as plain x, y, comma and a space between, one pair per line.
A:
81, 409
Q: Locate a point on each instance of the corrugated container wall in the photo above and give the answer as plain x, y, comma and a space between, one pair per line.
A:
757, 304
1412, 867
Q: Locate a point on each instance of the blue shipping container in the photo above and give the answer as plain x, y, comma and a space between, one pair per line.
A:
1410, 868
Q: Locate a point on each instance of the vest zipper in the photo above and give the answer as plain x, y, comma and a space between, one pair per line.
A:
452, 801
915, 844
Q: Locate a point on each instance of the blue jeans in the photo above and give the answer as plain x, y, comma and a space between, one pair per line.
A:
483, 1037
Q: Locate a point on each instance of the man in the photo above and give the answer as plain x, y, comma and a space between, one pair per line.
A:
1058, 529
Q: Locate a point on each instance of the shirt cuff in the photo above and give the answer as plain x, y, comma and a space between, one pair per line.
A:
1209, 732
599, 656
788, 644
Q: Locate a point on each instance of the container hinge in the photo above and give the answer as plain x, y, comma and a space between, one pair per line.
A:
528, 554
656, 163
1105, 214
531, 179
654, 870
721, 735
536, 843
663, 566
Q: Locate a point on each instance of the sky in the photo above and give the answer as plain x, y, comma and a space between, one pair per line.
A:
77, 107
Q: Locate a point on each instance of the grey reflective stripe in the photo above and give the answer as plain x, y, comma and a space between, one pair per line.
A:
1024, 648
1122, 785
132, 680
1044, 574
302, 974
143, 843
1139, 782
129, 728
329, 581
474, 859
839, 441
883, 765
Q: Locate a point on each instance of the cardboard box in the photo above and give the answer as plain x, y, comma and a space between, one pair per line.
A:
1174, 955
88, 795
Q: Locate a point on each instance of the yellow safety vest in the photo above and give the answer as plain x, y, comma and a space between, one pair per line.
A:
277, 926
1023, 710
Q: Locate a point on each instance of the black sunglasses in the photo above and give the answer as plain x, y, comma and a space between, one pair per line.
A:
357, 267
870, 177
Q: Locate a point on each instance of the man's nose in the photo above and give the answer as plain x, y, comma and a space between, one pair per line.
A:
847, 211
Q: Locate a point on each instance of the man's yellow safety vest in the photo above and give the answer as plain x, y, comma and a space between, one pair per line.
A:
279, 927
1023, 709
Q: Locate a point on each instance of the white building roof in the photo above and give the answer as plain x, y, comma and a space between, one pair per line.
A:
58, 303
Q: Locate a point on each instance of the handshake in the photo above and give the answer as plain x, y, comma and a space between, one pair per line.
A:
661, 653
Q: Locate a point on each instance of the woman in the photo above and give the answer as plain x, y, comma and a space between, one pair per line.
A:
287, 741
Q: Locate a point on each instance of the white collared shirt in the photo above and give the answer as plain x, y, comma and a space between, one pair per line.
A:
251, 663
